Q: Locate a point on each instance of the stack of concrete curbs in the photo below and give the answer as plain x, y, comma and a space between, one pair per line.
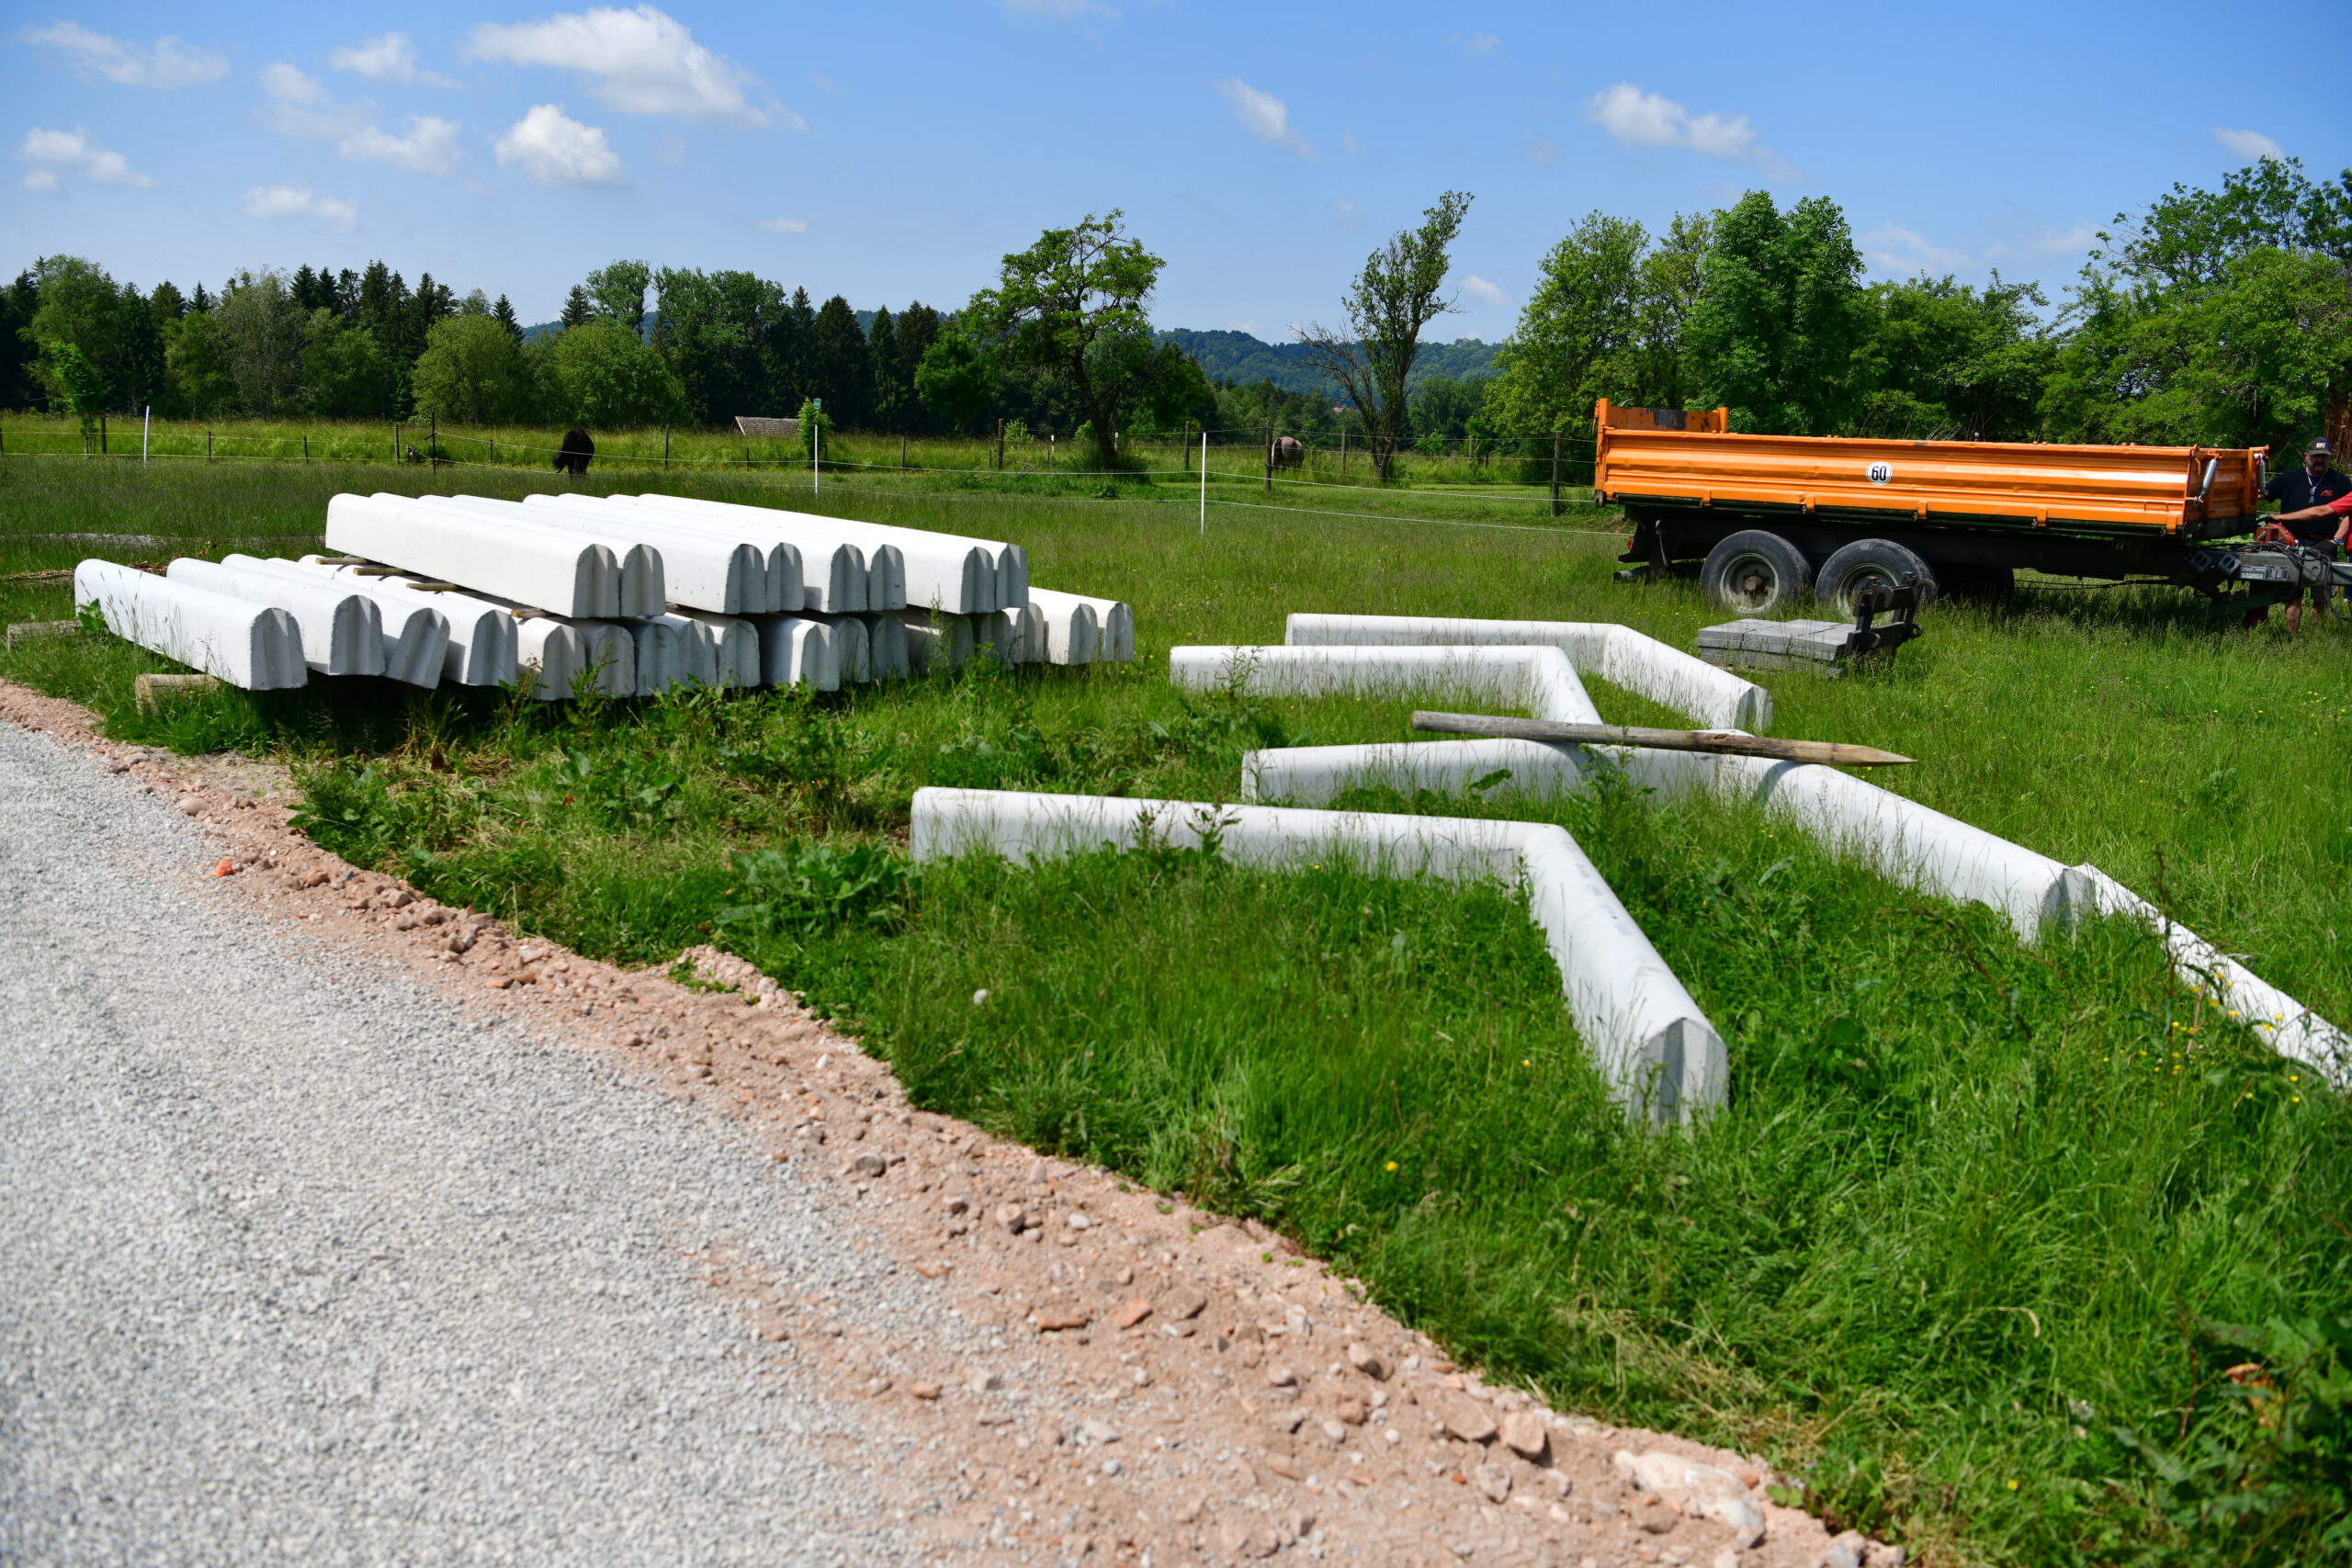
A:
244, 643
639, 594
1910, 844
1539, 679
1653, 1047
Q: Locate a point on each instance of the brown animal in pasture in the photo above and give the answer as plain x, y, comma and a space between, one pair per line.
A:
1289, 452
572, 456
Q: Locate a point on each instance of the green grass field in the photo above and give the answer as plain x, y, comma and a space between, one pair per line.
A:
1974, 1248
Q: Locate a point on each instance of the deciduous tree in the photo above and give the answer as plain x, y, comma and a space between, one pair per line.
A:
1783, 318
1074, 307
1399, 291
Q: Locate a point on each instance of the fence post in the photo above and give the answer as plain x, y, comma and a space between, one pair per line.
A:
1269, 457
433, 440
490, 451
665, 448
102, 433
1188, 446
396, 440
1343, 453
1556, 473
902, 451
207, 446
999, 446
306, 445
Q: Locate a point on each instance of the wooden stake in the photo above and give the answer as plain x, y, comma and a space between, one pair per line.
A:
1726, 742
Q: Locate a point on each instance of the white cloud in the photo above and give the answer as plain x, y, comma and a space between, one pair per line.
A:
1262, 114
334, 214
785, 225
429, 148
2251, 145
1485, 293
391, 58
641, 62
51, 155
1646, 120
1348, 142
1898, 249
303, 107
1542, 151
1477, 43
172, 63
556, 150
1342, 205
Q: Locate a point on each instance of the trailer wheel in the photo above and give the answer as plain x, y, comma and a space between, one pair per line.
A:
1854, 567
1755, 572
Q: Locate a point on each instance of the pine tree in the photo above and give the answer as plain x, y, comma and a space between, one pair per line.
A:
200, 302
882, 372
841, 372
505, 311
578, 311
918, 330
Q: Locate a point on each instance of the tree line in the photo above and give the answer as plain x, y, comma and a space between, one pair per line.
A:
2216, 316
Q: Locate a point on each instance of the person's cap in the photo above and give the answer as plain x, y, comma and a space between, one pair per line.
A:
2319, 449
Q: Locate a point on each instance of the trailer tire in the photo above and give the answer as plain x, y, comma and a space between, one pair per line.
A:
1755, 573
1854, 567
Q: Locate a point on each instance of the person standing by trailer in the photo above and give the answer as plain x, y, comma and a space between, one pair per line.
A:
2307, 501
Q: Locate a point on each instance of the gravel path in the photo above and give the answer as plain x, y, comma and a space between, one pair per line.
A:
297, 1265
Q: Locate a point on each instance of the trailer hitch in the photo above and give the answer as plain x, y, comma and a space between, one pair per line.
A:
1900, 605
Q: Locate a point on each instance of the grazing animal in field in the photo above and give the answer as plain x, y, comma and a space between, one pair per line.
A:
1289, 452
572, 456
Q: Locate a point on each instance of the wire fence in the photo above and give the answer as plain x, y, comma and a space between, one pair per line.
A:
1532, 470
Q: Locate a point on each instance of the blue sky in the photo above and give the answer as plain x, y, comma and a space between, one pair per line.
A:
894, 151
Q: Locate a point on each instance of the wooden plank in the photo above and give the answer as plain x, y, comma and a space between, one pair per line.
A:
1837, 754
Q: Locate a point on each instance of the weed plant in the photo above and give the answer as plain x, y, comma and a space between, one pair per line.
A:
2015, 1253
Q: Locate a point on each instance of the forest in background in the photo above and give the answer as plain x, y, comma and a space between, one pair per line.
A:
2218, 317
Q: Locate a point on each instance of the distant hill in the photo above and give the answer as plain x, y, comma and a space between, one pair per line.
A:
1248, 360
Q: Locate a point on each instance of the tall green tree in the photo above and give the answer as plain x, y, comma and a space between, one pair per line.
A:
140, 376
956, 379
18, 387
709, 331
918, 329
505, 311
472, 372
1777, 334
77, 303
577, 310
1950, 362
261, 339
343, 371
840, 371
1580, 335
2220, 318
1399, 292
607, 377
882, 355
198, 364
619, 291
1075, 307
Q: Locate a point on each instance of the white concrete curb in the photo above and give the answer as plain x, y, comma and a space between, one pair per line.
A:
2291, 1029
561, 573
482, 632
1539, 679
699, 570
735, 646
343, 634
797, 650
1649, 1040
938, 578
243, 642
1617, 654
415, 632
841, 575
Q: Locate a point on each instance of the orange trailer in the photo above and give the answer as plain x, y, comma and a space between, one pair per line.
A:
1769, 517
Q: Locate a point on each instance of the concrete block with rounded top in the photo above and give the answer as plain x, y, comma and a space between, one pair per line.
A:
482, 647
936, 641
698, 571
837, 576
341, 632
1539, 681
781, 558
644, 577
1716, 698
1067, 625
950, 572
886, 643
244, 642
416, 635
661, 655
734, 642
1649, 1040
798, 651
559, 572
563, 650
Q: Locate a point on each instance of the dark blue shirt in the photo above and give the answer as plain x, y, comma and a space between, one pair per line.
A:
2298, 491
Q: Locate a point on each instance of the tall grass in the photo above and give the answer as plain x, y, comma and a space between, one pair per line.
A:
1987, 1242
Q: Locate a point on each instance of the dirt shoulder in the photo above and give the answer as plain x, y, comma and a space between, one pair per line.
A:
1163, 1384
